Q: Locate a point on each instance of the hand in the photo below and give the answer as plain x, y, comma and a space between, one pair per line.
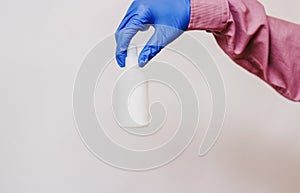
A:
170, 18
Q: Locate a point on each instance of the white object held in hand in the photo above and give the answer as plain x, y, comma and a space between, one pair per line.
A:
132, 105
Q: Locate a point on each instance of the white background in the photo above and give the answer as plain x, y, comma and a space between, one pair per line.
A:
42, 44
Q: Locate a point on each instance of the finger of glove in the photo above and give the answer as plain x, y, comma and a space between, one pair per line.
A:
161, 37
133, 22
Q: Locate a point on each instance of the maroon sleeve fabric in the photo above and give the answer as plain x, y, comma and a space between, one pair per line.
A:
265, 46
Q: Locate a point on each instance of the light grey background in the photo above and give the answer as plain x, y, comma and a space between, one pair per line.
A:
42, 44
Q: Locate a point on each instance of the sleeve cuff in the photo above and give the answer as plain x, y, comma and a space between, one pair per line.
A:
211, 15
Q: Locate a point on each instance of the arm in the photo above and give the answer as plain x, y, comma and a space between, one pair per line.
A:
263, 45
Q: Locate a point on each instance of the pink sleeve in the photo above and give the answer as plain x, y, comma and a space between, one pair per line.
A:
263, 45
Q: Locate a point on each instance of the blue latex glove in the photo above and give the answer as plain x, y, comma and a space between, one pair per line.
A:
170, 18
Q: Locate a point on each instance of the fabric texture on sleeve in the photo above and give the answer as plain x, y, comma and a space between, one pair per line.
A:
265, 46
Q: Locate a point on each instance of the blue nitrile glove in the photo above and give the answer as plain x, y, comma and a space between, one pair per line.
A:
169, 18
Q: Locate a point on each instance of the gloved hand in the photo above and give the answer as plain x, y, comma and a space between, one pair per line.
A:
170, 18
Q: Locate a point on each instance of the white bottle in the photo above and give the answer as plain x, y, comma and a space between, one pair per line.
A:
131, 94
